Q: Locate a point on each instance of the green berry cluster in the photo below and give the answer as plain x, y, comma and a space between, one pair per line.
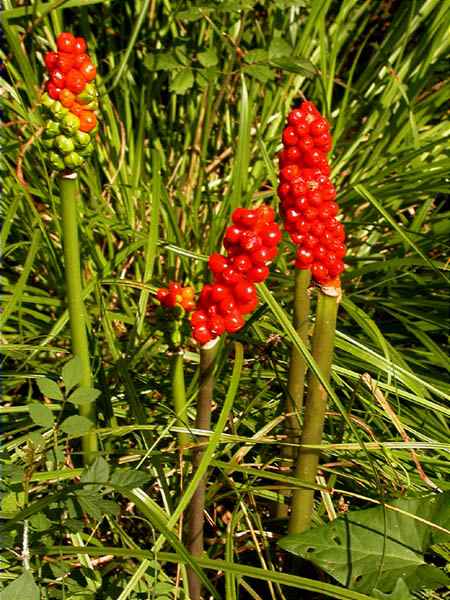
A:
65, 145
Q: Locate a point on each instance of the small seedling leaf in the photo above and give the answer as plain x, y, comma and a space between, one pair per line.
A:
41, 414
72, 373
22, 587
49, 388
182, 82
76, 426
84, 395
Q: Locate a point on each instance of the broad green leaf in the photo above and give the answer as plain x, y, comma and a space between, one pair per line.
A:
49, 388
98, 472
278, 48
24, 587
84, 395
72, 373
40, 522
129, 478
259, 72
208, 58
96, 507
41, 414
400, 592
375, 547
295, 65
76, 426
182, 81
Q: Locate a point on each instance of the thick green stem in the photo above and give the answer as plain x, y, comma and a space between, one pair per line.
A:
297, 371
69, 213
179, 397
315, 407
196, 516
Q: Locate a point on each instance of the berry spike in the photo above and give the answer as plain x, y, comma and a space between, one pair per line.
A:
308, 196
251, 243
70, 102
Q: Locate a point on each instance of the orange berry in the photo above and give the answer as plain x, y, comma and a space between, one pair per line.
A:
67, 98
88, 120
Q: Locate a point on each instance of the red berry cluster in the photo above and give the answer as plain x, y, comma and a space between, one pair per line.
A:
251, 244
70, 70
308, 196
176, 295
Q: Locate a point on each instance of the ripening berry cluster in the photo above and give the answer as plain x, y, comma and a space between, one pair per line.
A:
251, 243
70, 101
308, 196
177, 295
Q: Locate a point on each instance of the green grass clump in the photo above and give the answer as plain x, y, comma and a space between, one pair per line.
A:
193, 101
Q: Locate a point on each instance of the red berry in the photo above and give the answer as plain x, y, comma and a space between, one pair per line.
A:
244, 217
320, 252
289, 173
79, 59
162, 294
292, 154
271, 235
258, 274
242, 263
302, 128
220, 292
75, 81
304, 256
202, 334
249, 306
306, 144
216, 325
79, 46
53, 90
250, 241
233, 234
244, 291
319, 272
324, 142
283, 190
234, 322
217, 263
88, 70
58, 78
231, 276
198, 318
290, 137
319, 127
50, 60
65, 62
294, 116
227, 306
65, 42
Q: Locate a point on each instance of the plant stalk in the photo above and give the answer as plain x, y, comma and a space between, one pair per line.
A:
196, 509
179, 397
297, 372
68, 184
315, 407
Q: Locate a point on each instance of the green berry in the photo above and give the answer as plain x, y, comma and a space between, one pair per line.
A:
48, 143
93, 105
81, 139
56, 161
59, 111
87, 150
73, 160
64, 144
46, 101
88, 94
70, 124
52, 129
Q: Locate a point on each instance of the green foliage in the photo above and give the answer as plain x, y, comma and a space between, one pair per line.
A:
23, 587
193, 99
379, 546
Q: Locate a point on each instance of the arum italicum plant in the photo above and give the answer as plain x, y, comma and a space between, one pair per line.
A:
251, 244
69, 104
309, 210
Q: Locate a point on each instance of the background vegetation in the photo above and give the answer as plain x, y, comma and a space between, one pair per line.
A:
193, 101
